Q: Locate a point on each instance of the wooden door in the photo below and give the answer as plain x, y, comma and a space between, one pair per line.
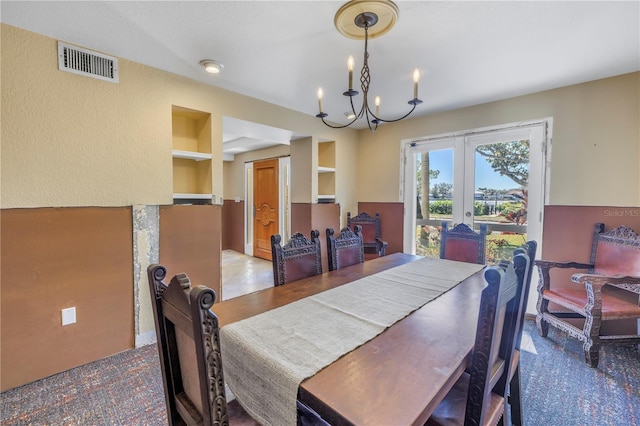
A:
265, 201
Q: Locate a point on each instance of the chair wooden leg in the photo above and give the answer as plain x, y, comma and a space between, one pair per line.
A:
543, 326
592, 354
592, 322
543, 307
515, 401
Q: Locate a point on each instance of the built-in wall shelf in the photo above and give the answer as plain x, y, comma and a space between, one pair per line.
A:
326, 199
192, 159
326, 169
326, 172
191, 155
179, 196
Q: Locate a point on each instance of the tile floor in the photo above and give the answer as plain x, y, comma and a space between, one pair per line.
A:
242, 274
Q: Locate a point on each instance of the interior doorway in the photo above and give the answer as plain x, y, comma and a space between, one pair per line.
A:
267, 206
495, 176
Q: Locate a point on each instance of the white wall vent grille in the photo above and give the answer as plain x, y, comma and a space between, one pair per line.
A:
87, 62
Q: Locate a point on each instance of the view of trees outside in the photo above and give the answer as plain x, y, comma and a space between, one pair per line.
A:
500, 199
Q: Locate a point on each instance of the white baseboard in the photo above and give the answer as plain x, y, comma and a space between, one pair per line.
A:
147, 338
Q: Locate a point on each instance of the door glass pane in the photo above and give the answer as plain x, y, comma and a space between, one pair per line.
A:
434, 176
500, 196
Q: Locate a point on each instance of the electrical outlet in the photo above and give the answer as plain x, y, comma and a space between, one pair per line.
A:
69, 316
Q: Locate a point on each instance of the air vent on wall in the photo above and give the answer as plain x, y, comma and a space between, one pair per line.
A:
86, 62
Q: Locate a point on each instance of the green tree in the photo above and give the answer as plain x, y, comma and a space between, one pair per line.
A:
443, 189
423, 179
509, 159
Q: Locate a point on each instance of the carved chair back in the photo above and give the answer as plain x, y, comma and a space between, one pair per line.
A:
463, 244
189, 349
514, 403
299, 258
347, 249
371, 232
529, 248
616, 252
478, 397
496, 334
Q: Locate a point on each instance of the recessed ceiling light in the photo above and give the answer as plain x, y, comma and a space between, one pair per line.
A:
350, 115
214, 67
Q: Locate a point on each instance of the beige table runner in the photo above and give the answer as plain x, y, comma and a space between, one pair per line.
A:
267, 356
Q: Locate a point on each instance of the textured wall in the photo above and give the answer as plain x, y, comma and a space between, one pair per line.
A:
70, 140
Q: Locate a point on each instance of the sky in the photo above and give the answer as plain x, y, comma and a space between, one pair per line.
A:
486, 177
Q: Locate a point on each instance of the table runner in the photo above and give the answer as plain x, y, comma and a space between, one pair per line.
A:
267, 356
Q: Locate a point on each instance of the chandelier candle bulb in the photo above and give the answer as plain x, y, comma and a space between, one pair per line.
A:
416, 77
350, 68
377, 101
320, 94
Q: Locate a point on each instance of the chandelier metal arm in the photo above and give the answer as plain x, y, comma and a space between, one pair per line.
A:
337, 127
357, 115
366, 20
397, 119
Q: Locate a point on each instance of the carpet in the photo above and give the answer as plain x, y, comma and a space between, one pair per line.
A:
558, 388
123, 389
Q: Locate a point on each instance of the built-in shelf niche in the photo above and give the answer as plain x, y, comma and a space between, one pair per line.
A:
192, 159
326, 172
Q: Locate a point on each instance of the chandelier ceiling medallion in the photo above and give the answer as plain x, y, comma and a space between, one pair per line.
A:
364, 19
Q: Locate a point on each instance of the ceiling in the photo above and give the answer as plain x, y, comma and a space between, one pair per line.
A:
468, 53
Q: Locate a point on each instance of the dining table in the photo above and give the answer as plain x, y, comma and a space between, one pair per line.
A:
396, 373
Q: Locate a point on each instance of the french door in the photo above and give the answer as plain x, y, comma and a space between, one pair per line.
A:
491, 176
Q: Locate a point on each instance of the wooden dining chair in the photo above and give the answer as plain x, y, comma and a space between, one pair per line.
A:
609, 291
346, 249
189, 351
478, 398
463, 244
299, 258
374, 245
514, 400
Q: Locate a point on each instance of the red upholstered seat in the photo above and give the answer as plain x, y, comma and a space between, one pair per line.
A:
615, 302
609, 290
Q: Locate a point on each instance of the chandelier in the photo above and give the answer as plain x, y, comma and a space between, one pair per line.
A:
350, 20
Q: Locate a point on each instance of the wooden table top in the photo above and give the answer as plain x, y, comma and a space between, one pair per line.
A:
251, 304
398, 377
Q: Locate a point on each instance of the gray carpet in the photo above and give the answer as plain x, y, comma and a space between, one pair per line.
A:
126, 389
559, 387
